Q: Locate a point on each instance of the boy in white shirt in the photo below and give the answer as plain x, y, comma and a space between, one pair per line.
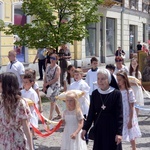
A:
80, 84
29, 92
91, 76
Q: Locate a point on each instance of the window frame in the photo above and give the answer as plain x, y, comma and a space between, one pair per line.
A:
114, 36
23, 59
135, 6
87, 39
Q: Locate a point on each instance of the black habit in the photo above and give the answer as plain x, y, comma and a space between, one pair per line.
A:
110, 122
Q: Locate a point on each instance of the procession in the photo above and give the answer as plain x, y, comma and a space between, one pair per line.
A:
75, 75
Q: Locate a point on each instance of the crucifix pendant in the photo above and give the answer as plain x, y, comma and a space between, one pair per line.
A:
103, 107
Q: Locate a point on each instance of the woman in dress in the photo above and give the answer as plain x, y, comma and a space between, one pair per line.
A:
136, 87
14, 115
73, 120
107, 101
52, 79
131, 128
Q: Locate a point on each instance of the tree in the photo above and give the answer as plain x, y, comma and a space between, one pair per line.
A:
2, 25
55, 22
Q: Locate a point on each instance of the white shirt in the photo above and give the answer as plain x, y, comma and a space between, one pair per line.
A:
18, 69
32, 95
85, 99
91, 78
35, 86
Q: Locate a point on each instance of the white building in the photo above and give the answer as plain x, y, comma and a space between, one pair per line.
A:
121, 25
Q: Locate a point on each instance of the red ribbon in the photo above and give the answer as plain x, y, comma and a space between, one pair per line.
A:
49, 132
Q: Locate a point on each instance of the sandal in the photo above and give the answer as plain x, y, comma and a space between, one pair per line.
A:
57, 117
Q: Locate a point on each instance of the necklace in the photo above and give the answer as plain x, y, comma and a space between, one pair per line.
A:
104, 101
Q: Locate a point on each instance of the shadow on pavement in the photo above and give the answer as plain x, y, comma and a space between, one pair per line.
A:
144, 122
139, 145
48, 148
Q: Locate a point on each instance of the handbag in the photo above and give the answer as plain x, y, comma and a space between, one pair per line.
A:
49, 92
91, 133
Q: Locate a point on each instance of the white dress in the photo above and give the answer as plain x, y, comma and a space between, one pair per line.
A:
138, 91
71, 125
134, 132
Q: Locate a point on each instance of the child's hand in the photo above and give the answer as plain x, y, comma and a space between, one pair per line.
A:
129, 124
73, 136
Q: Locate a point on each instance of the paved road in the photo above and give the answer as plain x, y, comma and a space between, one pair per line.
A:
53, 142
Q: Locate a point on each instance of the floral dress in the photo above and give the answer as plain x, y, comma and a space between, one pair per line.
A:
50, 75
134, 132
12, 136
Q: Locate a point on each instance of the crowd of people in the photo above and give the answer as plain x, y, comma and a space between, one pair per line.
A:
107, 106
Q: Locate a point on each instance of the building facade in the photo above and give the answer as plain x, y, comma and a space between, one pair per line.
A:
121, 25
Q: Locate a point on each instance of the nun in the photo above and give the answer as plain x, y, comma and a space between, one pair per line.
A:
106, 113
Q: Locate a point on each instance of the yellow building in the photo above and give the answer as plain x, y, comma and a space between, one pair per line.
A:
10, 12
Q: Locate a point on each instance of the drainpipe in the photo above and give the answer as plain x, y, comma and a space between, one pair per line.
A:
122, 23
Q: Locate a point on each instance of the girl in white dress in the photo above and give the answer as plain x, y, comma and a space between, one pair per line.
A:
131, 128
69, 77
73, 122
136, 87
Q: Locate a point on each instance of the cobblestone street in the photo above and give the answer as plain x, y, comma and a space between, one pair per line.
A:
53, 142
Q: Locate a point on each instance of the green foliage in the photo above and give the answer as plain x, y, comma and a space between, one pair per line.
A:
2, 25
55, 22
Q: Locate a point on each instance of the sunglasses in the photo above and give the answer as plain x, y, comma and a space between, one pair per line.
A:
53, 58
118, 60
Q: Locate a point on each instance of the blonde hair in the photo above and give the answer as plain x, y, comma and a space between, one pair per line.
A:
74, 96
12, 52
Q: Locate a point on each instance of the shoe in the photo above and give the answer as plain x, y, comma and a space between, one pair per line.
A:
40, 79
57, 117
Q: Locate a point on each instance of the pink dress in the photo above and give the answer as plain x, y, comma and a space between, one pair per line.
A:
12, 136
134, 132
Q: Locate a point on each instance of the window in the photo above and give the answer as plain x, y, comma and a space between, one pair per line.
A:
90, 41
110, 36
133, 4
1, 10
132, 38
19, 19
145, 5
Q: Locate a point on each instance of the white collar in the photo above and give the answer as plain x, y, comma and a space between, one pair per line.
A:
109, 90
